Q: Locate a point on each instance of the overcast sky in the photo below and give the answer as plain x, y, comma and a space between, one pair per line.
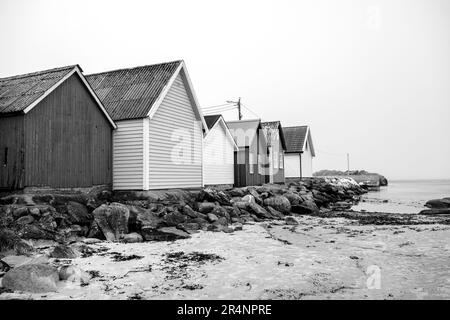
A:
371, 78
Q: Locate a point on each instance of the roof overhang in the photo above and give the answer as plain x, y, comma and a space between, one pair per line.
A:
76, 70
191, 93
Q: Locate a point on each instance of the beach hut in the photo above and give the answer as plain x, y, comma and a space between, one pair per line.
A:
218, 153
276, 144
250, 161
299, 153
160, 127
54, 131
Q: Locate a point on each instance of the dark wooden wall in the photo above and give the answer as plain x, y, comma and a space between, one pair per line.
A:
278, 177
68, 140
242, 175
12, 164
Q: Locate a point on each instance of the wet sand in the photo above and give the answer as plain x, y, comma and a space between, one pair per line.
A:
321, 258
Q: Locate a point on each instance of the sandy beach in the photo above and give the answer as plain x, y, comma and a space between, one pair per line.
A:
321, 258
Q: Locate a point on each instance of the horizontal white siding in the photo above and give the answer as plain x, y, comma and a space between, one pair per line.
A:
218, 159
128, 155
307, 169
175, 142
292, 165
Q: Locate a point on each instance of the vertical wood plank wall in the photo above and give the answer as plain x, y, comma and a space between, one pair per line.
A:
68, 140
11, 137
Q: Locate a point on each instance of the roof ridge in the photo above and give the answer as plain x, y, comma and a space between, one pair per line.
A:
26, 75
137, 67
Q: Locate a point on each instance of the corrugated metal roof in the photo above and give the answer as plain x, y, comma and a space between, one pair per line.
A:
131, 93
277, 126
211, 120
295, 138
244, 131
18, 92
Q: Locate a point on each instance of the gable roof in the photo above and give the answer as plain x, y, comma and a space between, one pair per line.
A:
244, 131
277, 126
296, 138
213, 121
21, 93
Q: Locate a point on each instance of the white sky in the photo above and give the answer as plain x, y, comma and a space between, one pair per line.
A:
371, 78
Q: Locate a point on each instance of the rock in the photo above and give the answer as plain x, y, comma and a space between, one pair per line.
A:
112, 220
95, 232
91, 240
234, 212
74, 274
163, 234
25, 220
10, 242
227, 229
280, 203
247, 199
307, 207
221, 212
35, 212
221, 221
256, 196
213, 195
237, 226
241, 205
188, 211
174, 218
438, 203
4, 267
20, 211
79, 214
342, 205
237, 192
36, 278
275, 213
17, 261
200, 221
140, 217
206, 207
291, 221
132, 238
435, 211
34, 231
189, 226
293, 198
64, 252
212, 217
259, 211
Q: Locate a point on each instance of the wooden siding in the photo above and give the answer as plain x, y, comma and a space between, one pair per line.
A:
292, 165
242, 175
11, 152
68, 140
175, 143
128, 155
307, 169
218, 159
276, 171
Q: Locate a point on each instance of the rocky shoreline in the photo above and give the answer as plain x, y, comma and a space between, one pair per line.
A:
40, 234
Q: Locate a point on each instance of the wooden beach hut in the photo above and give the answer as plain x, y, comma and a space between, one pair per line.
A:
218, 154
160, 126
250, 168
273, 131
54, 131
300, 152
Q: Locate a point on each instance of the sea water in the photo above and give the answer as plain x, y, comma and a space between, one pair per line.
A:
404, 196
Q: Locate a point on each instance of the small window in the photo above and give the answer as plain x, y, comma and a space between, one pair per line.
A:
5, 159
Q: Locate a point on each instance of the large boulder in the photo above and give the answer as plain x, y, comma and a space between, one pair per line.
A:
140, 217
206, 207
163, 234
279, 203
307, 207
213, 195
36, 278
291, 221
64, 252
11, 243
132, 238
435, 211
16, 261
78, 213
259, 211
293, 198
275, 213
74, 274
174, 218
438, 203
256, 196
112, 219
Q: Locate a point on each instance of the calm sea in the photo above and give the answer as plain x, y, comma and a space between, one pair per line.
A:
404, 196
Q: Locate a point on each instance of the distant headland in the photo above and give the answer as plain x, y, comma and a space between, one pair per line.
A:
360, 176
